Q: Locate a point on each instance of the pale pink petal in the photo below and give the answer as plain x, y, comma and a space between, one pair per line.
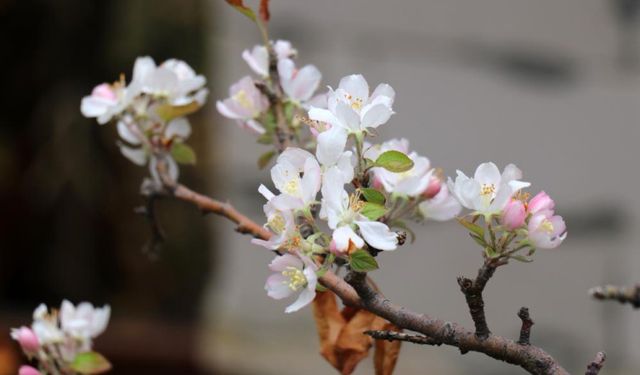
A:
378, 235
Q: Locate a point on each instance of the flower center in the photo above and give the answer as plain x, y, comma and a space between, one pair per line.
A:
547, 226
488, 189
242, 99
355, 204
297, 279
276, 223
356, 103
292, 187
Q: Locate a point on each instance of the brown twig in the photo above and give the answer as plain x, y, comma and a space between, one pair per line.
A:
525, 330
630, 295
400, 336
596, 365
472, 290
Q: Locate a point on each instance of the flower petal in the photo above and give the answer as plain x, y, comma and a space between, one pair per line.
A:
378, 235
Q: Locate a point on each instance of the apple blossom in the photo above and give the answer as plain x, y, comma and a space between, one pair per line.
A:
343, 212
174, 80
292, 274
258, 57
513, 214
280, 220
546, 230
286, 175
351, 110
83, 322
245, 104
441, 207
105, 102
541, 202
488, 192
299, 85
26, 338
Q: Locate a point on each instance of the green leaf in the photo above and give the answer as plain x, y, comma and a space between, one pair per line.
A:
265, 158
373, 195
183, 154
362, 261
240, 7
394, 161
168, 112
90, 363
521, 258
473, 228
373, 211
266, 138
320, 288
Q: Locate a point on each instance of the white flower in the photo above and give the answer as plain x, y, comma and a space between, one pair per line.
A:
412, 182
245, 104
286, 175
292, 275
299, 85
45, 326
442, 207
83, 322
280, 220
258, 57
174, 80
546, 230
105, 102
343, 214
351, 111
488, 192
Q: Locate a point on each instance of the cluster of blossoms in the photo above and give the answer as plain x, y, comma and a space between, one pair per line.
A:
61, 341
511, 218
150, 111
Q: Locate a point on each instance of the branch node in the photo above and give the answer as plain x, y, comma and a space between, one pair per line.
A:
525, 330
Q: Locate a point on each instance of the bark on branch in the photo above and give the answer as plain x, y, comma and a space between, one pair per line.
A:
400, 336
525, 330
472, 290
628, 294
596, 365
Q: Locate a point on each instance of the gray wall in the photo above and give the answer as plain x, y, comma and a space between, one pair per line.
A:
537, 83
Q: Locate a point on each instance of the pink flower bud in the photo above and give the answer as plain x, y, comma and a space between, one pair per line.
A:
27, 339
513, 215
104, 91
28, 370
541, 202
433, 189
377, 182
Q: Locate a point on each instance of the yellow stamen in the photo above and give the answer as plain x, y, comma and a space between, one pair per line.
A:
488, 189
242, 99
292, 187
297, 279
276, 223
547, 226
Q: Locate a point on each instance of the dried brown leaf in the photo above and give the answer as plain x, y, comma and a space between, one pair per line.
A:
264, 11
329, 323
353, 345
386, 352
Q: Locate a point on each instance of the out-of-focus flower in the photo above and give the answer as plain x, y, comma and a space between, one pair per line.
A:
299, 85
488, 192
514, 214
292, 274
26, 338
84, 321
245, 104
28, 370
45, 326
105, 102
441, 207
258, 57
173, 80
351, 110
546, 231
343, 214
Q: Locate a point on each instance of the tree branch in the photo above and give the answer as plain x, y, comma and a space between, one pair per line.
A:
399, 336
525, 330
355, 291
596, 365
472, 290
630, 295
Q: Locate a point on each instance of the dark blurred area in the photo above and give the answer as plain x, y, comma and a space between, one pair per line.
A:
67, 196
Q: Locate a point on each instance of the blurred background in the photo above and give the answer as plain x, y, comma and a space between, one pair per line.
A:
553, 86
